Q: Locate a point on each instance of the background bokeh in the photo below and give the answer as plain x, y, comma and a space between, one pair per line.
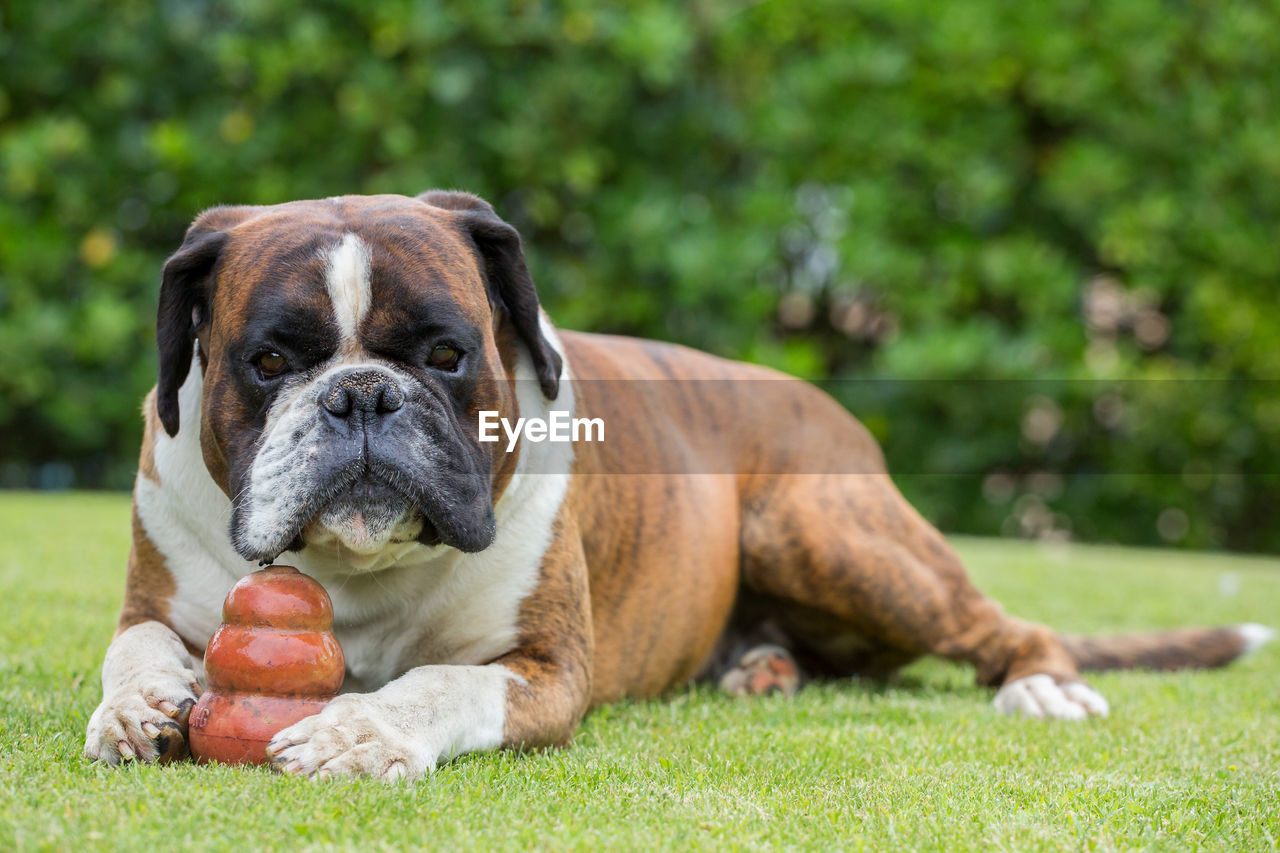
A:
1037, 245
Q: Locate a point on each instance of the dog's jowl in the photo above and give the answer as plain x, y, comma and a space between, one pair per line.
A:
323, 365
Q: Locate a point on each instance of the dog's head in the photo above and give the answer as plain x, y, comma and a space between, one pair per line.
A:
347, 345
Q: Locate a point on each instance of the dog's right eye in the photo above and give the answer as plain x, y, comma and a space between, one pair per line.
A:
271, 364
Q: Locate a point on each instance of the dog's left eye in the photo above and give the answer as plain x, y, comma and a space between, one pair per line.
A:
444, 357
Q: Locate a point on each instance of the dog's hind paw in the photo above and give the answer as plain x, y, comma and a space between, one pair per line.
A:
1041, 696
764, 669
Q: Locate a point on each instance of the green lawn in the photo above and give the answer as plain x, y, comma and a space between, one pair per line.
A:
1185, 760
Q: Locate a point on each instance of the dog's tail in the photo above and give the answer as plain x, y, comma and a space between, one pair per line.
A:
1186, 648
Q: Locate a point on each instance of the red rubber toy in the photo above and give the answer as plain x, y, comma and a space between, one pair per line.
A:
274, 661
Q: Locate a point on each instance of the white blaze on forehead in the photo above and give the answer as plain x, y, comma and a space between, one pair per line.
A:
347, 277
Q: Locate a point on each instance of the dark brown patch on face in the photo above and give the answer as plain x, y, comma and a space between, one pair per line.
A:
427, 290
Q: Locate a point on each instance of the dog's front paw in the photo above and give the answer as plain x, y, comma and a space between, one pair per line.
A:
1041, 696
354, 735
145, 720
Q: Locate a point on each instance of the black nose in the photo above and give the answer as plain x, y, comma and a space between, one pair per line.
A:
362, 392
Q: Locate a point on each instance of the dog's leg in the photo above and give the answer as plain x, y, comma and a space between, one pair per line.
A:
850, 547
426, 716
534, 695
148, 680
148, 689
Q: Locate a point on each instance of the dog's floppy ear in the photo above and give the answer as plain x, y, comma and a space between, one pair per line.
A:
186, 292
507, 276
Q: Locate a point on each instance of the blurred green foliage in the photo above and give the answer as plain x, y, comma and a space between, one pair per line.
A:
878, 189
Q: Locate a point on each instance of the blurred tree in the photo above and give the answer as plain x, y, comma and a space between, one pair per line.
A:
982, 193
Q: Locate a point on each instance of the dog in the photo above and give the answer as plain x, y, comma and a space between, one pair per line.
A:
322, 365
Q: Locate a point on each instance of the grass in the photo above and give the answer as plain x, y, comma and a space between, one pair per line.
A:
1187, 760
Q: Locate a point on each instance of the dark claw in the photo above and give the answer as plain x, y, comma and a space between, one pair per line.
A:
171, 743
184, 712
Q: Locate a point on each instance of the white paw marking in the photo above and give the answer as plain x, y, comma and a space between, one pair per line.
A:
428, 715
1255, 636
1040, 696
352, 736
146, 678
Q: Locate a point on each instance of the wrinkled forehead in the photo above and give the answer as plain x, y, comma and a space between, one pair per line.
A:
350, 264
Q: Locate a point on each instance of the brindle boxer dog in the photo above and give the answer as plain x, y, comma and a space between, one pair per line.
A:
322, 364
